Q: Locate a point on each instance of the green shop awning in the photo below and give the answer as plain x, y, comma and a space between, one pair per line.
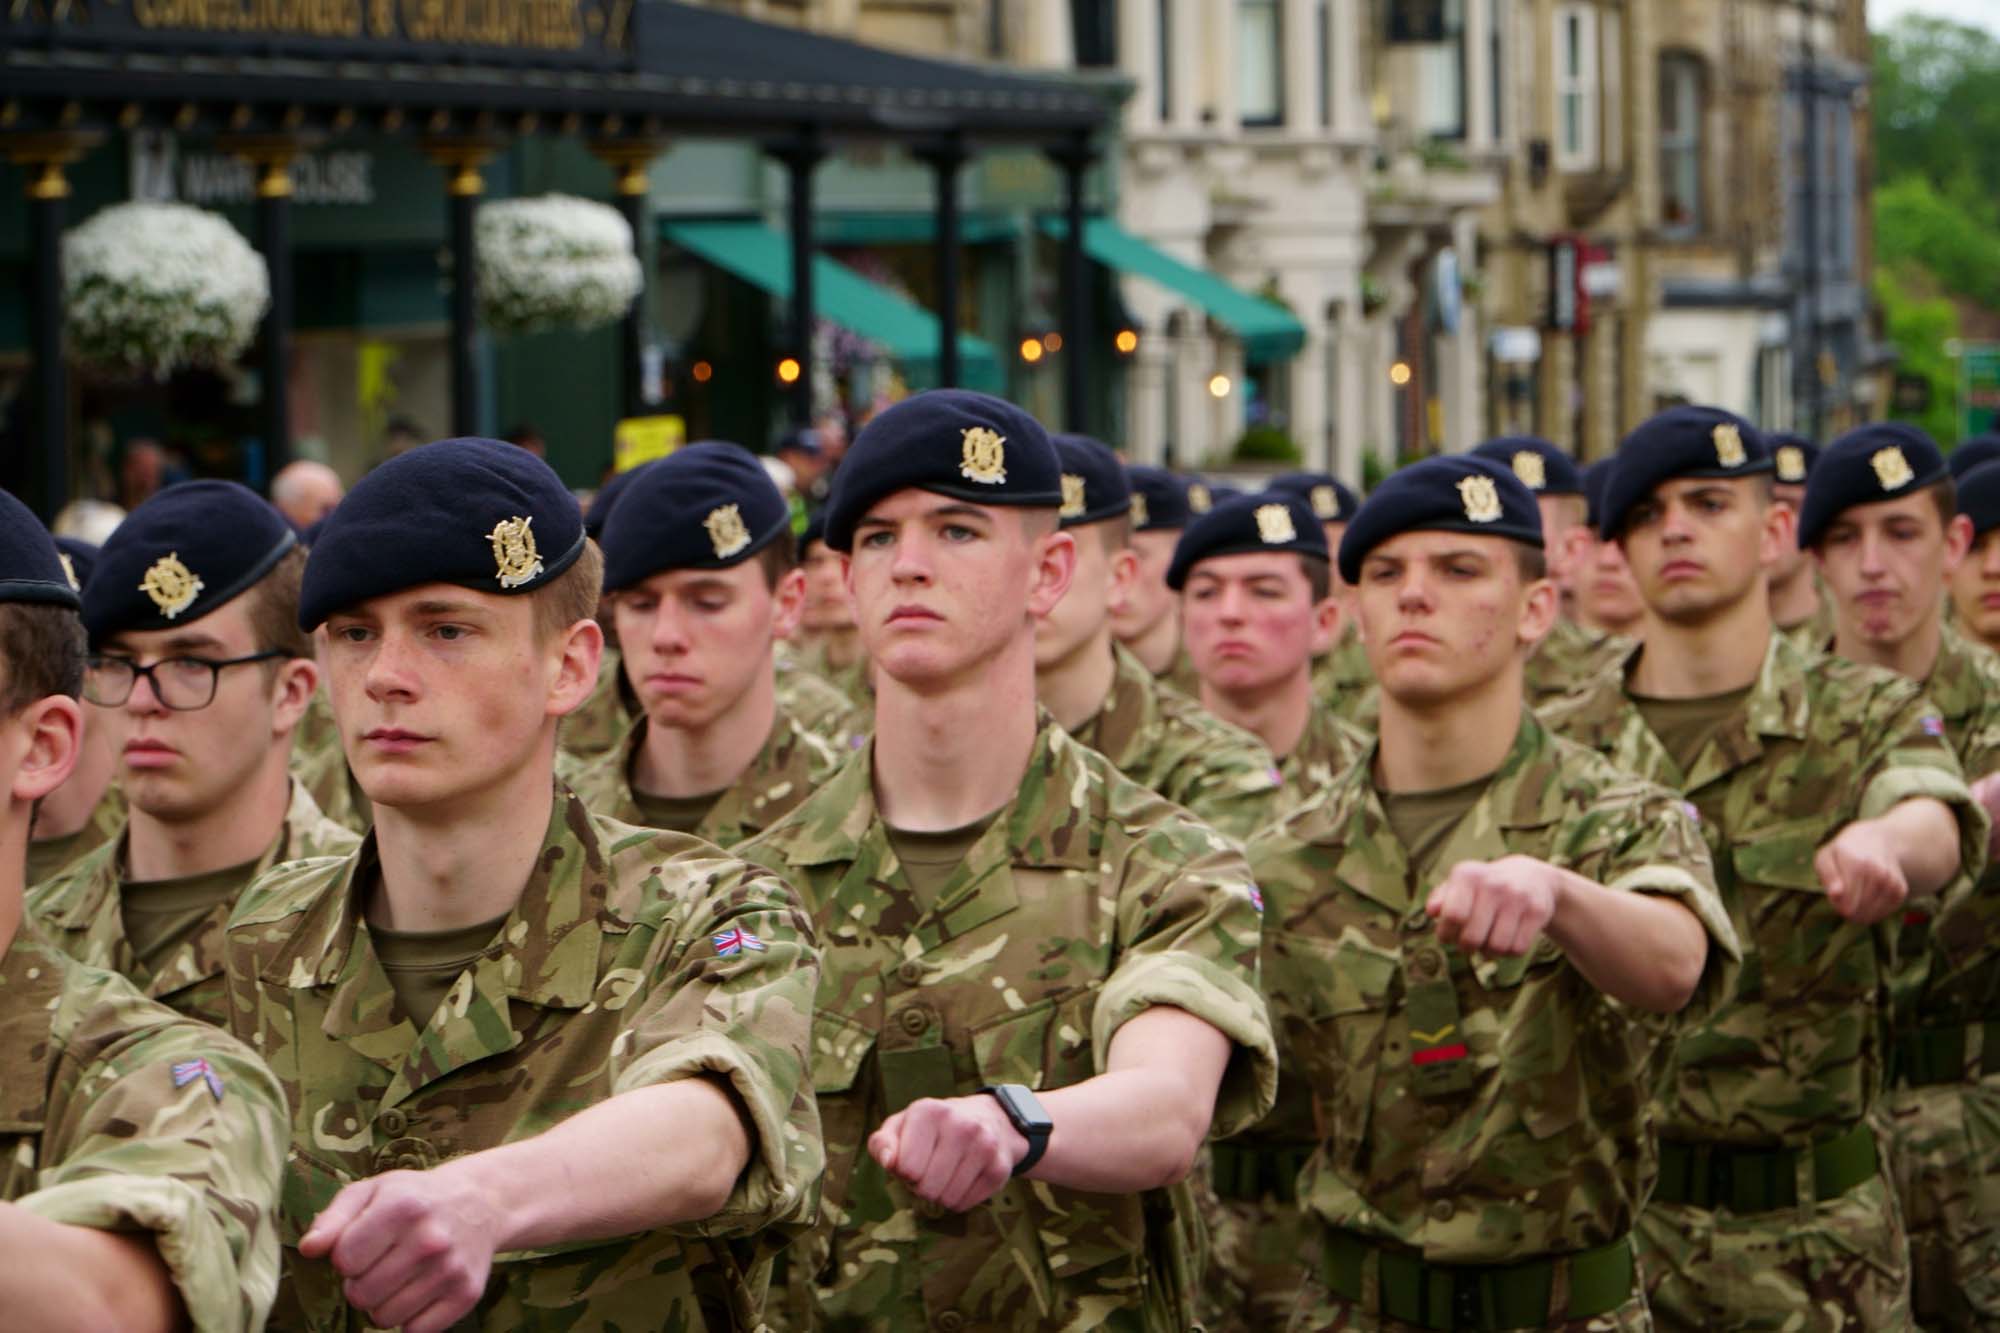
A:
762, 257
1269, 331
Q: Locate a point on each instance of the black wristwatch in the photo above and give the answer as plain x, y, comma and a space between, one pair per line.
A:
1028, 1117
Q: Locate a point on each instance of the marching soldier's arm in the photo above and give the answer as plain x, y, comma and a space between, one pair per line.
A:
1872, 866
83, 1279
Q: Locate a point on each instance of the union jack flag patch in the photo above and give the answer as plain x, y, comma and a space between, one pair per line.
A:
1932, 724
187, 1071
735, 940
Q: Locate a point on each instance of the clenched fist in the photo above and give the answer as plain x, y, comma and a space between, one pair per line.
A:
1495, 907
956, 1152
1862, 873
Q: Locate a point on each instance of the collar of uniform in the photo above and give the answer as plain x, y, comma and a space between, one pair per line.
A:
1055, 765
554, 944
31, 985
1957, 685
72, 899
1130, 706
1777, 705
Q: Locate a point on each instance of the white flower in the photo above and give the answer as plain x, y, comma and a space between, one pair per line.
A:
158, 286
554, 262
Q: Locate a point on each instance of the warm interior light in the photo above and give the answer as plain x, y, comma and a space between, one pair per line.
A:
788, 370
1031, 350
1127, 342
1219, 386
702, 372
1399, 374
1053, 342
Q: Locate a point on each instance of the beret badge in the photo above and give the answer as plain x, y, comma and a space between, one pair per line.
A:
69, 570
1199, 500
1072, 496
726, 532
1481, 498
1891, 468
983, 459
1274, 525
171, 584
514, 555
1325, 504
1531, 468
1791, 463
1138, 509
1729, 445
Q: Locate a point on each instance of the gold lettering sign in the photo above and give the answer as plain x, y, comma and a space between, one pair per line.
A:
1480, 497
535, 25
1138, 509
1729, 445
1532, 469
1199, 500
1791, 463
1072, 501
1274, 525
1325, 503
171, 584
726, 532
982, 457
515, 559
1891, 468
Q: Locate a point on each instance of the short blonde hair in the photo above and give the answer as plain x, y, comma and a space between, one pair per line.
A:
570, 596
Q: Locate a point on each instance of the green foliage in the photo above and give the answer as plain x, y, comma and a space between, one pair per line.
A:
1267, 444
1920, 326
1916, 225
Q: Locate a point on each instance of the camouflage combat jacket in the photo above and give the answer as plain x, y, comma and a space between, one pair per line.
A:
1568, 658
601, 722
48, 857
1480, 1110
1796, 1054
1812, 635
633, 958
851, 680
1087, 901
319, 763
81, 913
1168, 743
1345, 682
119, 1114
605, 715
1325, 749
788, 769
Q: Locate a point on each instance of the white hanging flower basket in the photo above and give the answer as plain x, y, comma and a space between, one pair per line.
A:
159, 286
554, 262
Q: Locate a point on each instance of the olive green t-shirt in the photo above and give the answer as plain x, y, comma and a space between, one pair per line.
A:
676, 814
1683, 726
1422, 820
162, 914
422, 964
929, 860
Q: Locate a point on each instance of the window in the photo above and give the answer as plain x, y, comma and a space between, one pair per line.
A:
1163, 18
1323, 59
1441, 76
1680, 144
1094, 32
1496, 82
1260, 82
1576, 88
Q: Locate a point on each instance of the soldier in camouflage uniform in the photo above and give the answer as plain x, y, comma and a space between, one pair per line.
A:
498, 984
319, 764
139, 1151
829, 645
1479, 944
193, 621
1003, 913
1800, 605
1829, 796
700, 585
1255, 580
1880, 519
1974, 586
1101, 694
1145, 614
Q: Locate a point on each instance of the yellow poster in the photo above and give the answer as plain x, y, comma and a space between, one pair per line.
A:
643, 439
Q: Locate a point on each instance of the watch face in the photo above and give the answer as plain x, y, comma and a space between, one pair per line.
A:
1025, 1111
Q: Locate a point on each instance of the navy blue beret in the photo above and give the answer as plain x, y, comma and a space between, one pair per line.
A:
952, 442
1541, 466
1792, 457
704, 506
476, 513
1596, 476
1449, 493
815, 530
30, 567
1331, 500
1218, 491
1876, 462
1094, 485
1679, 442
183, 553
1159, 499
79, 559
1971, 453
1979, 496
599, 512
1274, 521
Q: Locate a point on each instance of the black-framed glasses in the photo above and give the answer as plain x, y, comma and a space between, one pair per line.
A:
180, 683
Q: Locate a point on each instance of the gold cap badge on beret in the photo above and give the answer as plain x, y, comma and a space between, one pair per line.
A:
514, 555
171, 584
69, 570
1199, 500
1891, 468
1326, 504
1138, 509
1791, 463
1532, 469
1729, 445
726, 532
1274, 525
981, 458
1072, 501
1481, 498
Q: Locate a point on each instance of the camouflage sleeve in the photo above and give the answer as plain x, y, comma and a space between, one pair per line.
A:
1237, 800
1912, 758
728, 991
179, 1131
1188, 932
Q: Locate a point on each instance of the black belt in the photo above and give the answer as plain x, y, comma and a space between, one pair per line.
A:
1248, 1172
1758, 1180
1485, 1297
1924, 1057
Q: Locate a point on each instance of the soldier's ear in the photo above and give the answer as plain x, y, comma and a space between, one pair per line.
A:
1054, 569
1540, 604
582, 649
42, 741
788, 603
